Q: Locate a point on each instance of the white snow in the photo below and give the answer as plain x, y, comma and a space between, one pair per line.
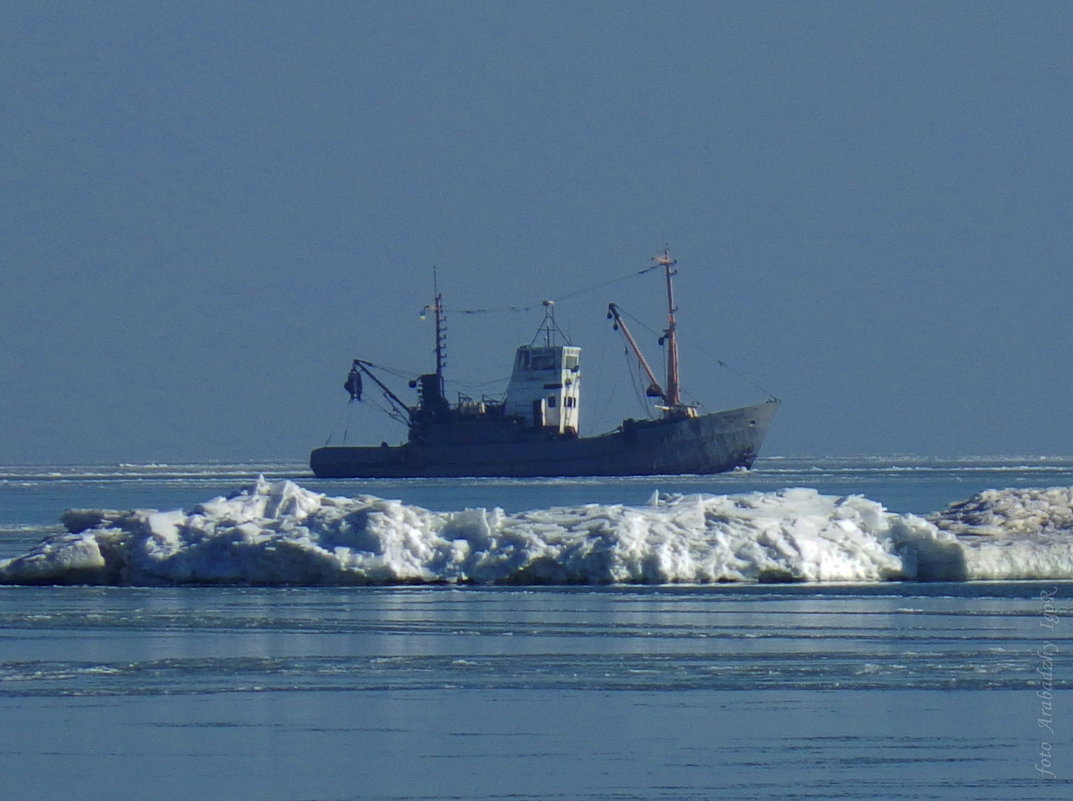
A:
281, 533
1014, 533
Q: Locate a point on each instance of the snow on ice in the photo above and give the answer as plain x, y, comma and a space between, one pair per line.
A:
280, 533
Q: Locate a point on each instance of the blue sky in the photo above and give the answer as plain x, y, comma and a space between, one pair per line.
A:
210, 208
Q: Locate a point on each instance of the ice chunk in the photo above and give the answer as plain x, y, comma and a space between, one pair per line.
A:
282, 533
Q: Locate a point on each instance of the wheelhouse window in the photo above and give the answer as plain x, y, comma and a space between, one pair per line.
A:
542, 359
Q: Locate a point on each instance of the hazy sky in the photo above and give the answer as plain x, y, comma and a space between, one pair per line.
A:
208, 209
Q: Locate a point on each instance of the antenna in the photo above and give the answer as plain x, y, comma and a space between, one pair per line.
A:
441, 328
548, 327
549, 321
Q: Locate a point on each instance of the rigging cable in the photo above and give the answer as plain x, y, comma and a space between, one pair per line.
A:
636, 383
344, 414
391, 412
575, 293
696, 344
604, 412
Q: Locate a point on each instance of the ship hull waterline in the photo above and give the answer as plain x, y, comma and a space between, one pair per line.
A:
701, 445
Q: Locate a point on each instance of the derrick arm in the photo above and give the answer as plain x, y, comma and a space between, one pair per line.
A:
401, 408
654, 389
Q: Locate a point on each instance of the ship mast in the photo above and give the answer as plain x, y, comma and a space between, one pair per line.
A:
549, 328
673, 396
441, 329
433, 406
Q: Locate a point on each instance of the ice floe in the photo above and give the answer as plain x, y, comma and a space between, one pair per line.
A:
281, 533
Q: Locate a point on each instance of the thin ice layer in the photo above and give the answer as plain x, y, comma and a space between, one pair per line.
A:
281, 533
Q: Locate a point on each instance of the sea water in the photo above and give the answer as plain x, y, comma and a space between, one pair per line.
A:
872, 690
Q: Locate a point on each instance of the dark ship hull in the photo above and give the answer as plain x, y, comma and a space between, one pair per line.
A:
704, 444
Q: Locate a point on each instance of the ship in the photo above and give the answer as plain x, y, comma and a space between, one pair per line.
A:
533, 429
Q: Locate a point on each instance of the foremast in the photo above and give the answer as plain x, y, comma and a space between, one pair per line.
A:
441, 328
433, 405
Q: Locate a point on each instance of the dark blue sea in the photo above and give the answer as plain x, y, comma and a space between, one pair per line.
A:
740, 690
